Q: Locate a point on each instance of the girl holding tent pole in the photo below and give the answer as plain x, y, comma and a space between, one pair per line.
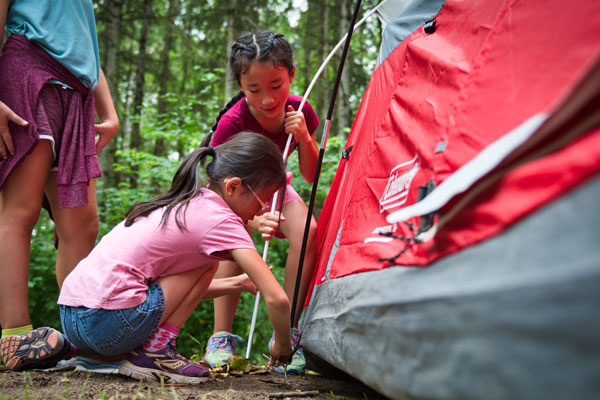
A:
262, 65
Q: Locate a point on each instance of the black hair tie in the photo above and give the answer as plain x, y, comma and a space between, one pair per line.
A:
212, 152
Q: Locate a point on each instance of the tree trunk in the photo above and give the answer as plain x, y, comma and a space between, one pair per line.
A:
165, 75
342, 102
112, 37
231, 36
134, 142
187, 47
324, 49
306, 46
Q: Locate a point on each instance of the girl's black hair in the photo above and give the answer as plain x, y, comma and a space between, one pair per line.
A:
252, 157
262, 46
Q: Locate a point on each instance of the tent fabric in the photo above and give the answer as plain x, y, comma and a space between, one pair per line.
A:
435, 103
498, 299
513, 317
535, 138
401, 18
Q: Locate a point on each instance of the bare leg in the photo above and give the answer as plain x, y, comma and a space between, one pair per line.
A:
183, 292
226, 306
20, 205
77, 228
293, 228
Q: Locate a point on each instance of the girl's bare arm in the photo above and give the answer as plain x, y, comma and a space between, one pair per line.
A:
105, 110
278, 305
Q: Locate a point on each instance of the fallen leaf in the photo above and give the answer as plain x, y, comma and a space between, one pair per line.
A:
237, 363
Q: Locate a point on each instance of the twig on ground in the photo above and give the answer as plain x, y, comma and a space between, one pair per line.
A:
283, 395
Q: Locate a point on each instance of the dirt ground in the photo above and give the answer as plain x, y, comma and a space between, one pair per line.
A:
86, 385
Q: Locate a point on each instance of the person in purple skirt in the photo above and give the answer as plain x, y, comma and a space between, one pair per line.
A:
51, 88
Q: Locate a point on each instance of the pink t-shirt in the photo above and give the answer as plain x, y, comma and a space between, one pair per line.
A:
239, 118
115, 274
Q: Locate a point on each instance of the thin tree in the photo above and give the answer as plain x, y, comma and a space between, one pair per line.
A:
140, 79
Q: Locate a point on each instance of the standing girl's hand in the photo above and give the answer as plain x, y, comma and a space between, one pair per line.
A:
105, 131
296, 125
6, 143
268, 224
308, 152
105, 110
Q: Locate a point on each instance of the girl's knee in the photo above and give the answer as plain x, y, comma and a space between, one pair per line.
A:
84, 228
21, 220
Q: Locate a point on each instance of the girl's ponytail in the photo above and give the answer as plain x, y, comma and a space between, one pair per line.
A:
252, 157
185, 186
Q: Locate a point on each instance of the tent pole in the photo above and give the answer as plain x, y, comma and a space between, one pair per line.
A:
320, 159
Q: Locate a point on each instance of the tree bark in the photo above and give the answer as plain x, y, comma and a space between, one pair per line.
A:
342, 102
112, 37
324, 49
165, 75
231, 36
140, 79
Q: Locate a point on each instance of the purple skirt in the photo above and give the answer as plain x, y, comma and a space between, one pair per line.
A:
24, 70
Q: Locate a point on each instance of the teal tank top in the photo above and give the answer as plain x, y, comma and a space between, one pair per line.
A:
65, 29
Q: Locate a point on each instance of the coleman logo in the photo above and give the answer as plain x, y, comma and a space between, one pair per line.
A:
380, 232
396, 190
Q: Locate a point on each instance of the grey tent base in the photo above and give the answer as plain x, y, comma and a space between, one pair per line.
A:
514, 317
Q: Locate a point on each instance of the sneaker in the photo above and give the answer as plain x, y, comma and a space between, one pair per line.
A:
40, 348
220, 347
166, 363
79, 363
61, 366
298, 363
89, 365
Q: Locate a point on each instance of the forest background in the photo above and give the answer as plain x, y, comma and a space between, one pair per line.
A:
166, 64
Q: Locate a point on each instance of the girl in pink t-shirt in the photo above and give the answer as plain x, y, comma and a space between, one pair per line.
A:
142, 281
263, 67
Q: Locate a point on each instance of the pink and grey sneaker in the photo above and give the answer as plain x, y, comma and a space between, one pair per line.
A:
166, 363
41, 348
220, 347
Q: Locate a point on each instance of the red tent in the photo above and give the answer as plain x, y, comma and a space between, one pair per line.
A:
480, 121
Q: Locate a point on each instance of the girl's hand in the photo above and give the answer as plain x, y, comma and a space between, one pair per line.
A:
6, 143
105, 110
246, 283
281, 353
296, 125
105, 131
268, 224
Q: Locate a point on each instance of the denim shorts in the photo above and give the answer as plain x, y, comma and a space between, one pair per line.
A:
113, 332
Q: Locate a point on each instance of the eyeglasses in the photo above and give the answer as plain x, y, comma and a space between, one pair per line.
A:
263, 206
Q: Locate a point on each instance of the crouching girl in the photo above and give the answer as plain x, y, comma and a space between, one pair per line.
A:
142, 281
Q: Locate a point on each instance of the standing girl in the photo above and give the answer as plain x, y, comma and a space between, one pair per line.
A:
263, 67
142, 281
51, 86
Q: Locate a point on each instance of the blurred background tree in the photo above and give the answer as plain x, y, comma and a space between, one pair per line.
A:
166, 64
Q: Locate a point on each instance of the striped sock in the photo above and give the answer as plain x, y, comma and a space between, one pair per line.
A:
18, 331
161, 336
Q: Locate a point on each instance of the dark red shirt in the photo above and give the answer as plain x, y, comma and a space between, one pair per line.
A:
239, 119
